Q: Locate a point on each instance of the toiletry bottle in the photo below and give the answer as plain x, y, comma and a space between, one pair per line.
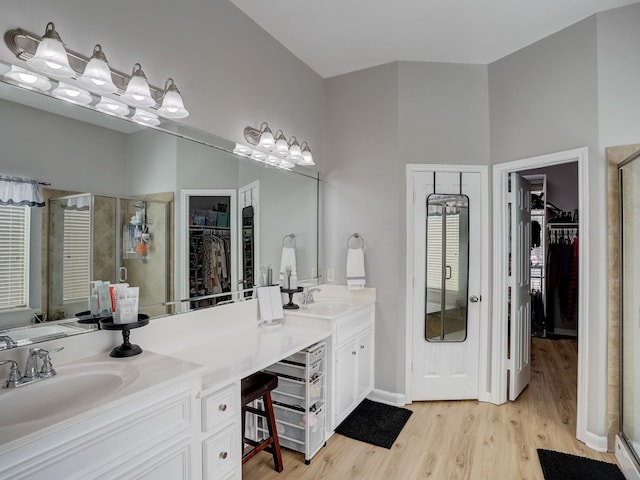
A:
293, 282
269, 276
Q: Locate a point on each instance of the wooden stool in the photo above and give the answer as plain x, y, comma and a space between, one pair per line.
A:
259, 385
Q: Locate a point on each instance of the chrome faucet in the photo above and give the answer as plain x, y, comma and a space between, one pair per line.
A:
31, 372
10, 342
308, 298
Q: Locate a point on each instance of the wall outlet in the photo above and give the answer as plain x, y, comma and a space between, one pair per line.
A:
330, 275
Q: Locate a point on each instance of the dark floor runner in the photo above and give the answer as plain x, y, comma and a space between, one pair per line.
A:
375, 423
563, 466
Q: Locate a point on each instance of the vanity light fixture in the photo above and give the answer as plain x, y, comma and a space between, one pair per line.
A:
97, 75
48, 55
112, 107
72, 94
138, 93
145, 118
259, 156
288, 154
272, 160
30, 80
51, 57
172, 104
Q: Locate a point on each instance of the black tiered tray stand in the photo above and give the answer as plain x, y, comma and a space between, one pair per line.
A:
127, 349
290, 292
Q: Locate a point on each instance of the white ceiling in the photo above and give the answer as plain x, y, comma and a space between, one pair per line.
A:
340, 36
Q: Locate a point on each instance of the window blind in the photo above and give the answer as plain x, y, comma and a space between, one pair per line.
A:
76, 264
434, 251
14, 255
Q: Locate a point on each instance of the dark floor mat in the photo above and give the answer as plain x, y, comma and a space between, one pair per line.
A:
563, 466
375, 423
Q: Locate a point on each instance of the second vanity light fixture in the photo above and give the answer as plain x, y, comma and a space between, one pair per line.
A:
78, 75
275, 149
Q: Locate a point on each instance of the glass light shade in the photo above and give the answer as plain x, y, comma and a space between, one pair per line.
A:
242, 150
172, 105
112, 107
273, 160
30, 80
295, 152
258, 155
97, 75
307, 158
266, 138
282, 147
72, 94
286, 164
51, 57
138, 93
145, 118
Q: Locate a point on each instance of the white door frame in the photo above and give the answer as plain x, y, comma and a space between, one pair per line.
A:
500, 278
484, 367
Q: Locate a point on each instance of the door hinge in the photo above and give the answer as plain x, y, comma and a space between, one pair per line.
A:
509, 364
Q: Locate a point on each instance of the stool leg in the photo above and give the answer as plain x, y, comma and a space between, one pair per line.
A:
273, 431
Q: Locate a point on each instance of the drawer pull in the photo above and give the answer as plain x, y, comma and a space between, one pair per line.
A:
223, 455
353, 353
362, 347
222, 407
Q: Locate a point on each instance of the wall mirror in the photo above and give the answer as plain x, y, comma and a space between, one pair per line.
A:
447, 267
143, 170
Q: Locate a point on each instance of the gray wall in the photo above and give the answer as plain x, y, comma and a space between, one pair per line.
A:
378, 120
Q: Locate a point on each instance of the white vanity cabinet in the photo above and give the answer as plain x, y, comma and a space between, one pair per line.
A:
354, 362
221, 425
147, 436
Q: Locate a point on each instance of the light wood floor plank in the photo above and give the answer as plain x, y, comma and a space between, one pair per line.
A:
461, 440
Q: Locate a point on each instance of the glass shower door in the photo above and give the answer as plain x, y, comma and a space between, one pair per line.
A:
630, 304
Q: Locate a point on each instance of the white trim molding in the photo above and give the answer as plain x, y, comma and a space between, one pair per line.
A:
589, 345
484, 363
390, 398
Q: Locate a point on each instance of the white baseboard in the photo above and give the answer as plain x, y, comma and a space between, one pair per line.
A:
596, 442
625, 459
395, 399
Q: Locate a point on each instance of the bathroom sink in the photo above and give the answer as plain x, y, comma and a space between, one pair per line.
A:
71, 391
327, 308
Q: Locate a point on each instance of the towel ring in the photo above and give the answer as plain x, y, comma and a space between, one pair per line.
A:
357, 237
292, 242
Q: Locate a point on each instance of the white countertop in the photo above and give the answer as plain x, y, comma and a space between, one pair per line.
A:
237, 355
141, 375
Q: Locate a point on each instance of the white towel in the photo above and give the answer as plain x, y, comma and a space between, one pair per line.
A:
355, 269
288, 259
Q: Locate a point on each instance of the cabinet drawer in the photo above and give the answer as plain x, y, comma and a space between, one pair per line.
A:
221, 452
220, 407
350, 326
316, 352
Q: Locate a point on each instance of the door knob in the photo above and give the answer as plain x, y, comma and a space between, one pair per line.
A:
474, 299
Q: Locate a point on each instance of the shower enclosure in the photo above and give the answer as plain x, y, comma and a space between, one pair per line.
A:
628, 441
96, 237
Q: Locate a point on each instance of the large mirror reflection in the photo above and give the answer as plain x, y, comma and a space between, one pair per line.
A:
447, 267
119, 206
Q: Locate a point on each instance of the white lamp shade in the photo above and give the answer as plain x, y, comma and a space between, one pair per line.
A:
72, 94
145, 118
295, 153
266, 139
286, 164
112, 107
273, 160
242, 150
307, 158
172, 105
97, 75
51, 57
259, 156
282, 147
27, 79
138, 93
